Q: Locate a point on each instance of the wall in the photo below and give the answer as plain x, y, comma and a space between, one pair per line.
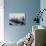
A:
29, 7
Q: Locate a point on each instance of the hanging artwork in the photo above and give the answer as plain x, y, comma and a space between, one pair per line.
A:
17, 19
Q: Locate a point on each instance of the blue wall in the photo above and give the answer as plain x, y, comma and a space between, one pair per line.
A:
29, 7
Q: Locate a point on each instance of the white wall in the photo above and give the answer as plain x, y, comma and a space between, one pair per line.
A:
1, 21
